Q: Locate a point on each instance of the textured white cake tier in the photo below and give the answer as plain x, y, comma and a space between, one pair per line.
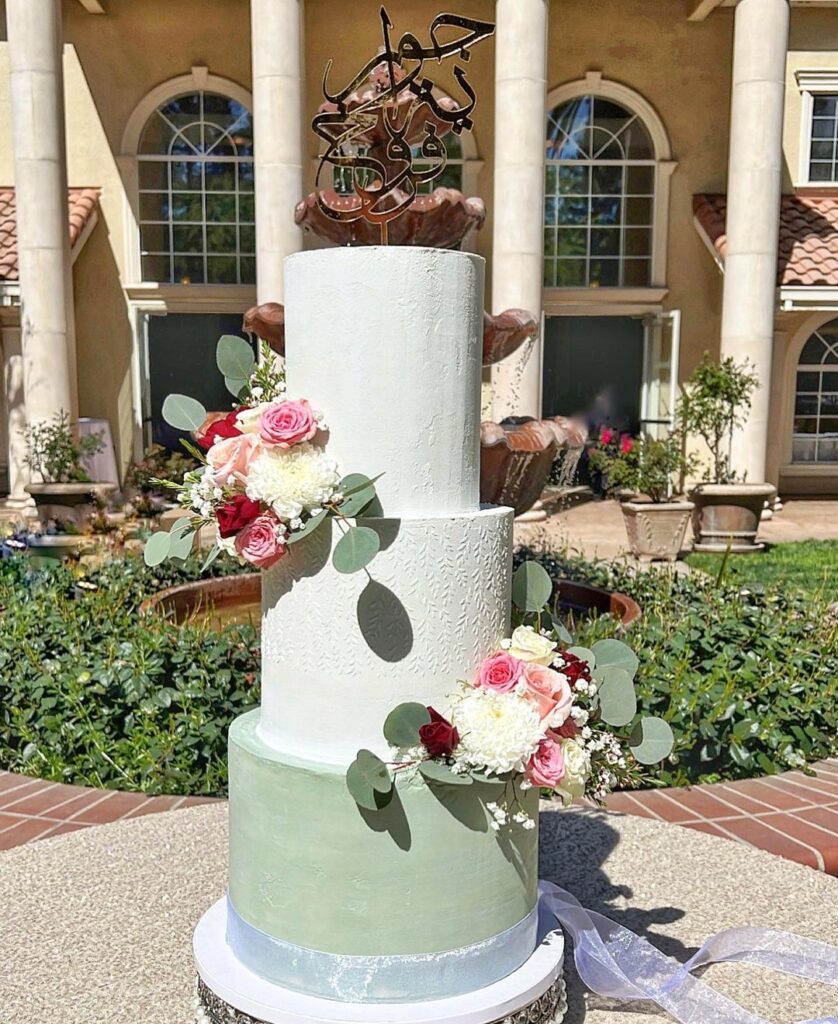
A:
387, 341
339, 652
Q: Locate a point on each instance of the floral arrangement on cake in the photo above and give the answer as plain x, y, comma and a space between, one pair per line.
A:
265, 478
537, 712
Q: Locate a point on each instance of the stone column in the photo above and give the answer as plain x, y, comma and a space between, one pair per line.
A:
753, 210
276, 28
43, 237
15, 411
518, 232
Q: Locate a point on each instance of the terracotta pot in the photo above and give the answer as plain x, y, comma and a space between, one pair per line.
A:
68, 503
581, 600
656, 531
726, 516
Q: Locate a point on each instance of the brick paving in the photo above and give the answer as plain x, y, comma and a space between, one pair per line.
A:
792, 815
34, 809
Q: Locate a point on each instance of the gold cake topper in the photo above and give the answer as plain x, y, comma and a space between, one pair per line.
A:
386, 126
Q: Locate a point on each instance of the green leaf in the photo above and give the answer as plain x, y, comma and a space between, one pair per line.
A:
180, 526
215, 551
651, 740
615, 652
235, 385
183, 412
531, 587
359, 789
356, 549
234, 357
193, 450
308, 529
401, 727
562, 632
617, 699
157, 548
355, 482
367, 776
358, 491
584, 653
436, 771
182, 541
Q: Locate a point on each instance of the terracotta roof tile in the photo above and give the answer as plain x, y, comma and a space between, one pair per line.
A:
808, 243
81, 203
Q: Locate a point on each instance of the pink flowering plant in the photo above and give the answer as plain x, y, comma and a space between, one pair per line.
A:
642, 466
265, 477
537, 712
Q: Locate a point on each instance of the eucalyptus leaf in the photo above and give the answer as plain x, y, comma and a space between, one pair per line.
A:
182, 542
651, 740
234, 357
615, 652
531, 587
359, 789
356, 549
215, 551
180, 526
617, 699
235, 385
562, 632
183, 412
401, 727
308, 529
157, 548
374, 771
358, 491
584, 653
436, 771
355, 482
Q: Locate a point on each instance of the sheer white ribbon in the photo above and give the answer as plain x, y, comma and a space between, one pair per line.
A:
614, 962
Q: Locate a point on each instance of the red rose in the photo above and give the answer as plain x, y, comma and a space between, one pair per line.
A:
626, 444
236, 514
574, 668
567, 730
439, 737
226, 426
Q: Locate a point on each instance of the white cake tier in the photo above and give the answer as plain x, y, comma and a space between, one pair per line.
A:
387, 342
339, 652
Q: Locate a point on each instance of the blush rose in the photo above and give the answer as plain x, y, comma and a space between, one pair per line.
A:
286, 423
555, 698
546, 766
231, 457
499, 672
260, 542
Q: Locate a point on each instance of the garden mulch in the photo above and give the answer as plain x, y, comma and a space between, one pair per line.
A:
792, 815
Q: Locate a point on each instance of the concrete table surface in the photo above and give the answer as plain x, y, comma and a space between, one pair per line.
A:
96, 926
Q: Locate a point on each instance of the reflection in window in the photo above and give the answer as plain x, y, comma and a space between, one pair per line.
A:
823, 149
197, 222
451, 177
815, 436
599, 196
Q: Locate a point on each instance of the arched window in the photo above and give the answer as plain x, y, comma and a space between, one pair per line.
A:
815, 431
196, 202
451, 177
599, 207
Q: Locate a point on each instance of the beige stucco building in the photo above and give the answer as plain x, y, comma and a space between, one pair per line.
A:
632, 155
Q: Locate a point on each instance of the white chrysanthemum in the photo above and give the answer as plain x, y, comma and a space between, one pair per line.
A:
292, 480
498, 731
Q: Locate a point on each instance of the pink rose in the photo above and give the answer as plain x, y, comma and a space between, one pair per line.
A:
287, 423
626, 444
552, 691
259, 542
546, 766
606, 435
499, 672
231, 457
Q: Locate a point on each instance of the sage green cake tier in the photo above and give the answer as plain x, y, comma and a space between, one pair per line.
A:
424, 875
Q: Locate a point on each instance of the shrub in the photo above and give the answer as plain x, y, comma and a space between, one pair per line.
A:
53, 452
747, 678
95, 694
644, 465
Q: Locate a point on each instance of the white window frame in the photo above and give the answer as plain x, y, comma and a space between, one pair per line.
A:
594, 84
812, 82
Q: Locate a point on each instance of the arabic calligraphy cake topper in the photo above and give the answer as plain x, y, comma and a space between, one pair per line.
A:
385, 129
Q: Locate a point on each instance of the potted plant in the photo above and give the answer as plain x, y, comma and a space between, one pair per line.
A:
63, 492
716, 400
642, 469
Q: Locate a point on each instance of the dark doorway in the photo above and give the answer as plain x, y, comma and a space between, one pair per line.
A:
181, 360
593, 368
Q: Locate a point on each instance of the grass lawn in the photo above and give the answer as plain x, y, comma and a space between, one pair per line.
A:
808, 565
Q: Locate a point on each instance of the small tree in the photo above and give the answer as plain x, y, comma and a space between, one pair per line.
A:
716, 400
644, 465
53, 452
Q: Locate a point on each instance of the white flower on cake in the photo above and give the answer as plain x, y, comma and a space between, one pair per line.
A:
577, 770
498, 731
527, 645
294, 480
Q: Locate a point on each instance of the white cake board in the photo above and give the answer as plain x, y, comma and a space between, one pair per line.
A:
262, 1001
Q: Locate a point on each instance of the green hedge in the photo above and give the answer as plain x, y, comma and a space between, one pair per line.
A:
93, 693
746, 675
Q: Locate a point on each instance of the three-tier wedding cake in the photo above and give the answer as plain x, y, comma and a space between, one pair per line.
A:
422, 899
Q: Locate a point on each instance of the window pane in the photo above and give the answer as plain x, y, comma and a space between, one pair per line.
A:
820, 172
188, 206
154, 237
188, 239
640, 180
829, 425
221, 270
156, 268
551, 180
823, 128
551, 208
829, 407
572, 242
807, 381
154, 206
827, 450
245, 177
806, 405
605, 273
188, 270
247, 213
805, 425
570, 273
187, 174
824, 106
549, 243
813, 351
607, 181
248, 270
823, 150
221, 209
549, 277
605, 211
830, 382
221, 239
156, 135
571, 211
221, 177
154, 174
573, 181
605, 242
636, 273
803, 450
639, 211
638, 242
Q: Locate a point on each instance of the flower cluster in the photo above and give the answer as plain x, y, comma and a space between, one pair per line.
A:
266, 473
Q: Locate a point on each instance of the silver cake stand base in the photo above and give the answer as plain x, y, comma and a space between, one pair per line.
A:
228, 993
